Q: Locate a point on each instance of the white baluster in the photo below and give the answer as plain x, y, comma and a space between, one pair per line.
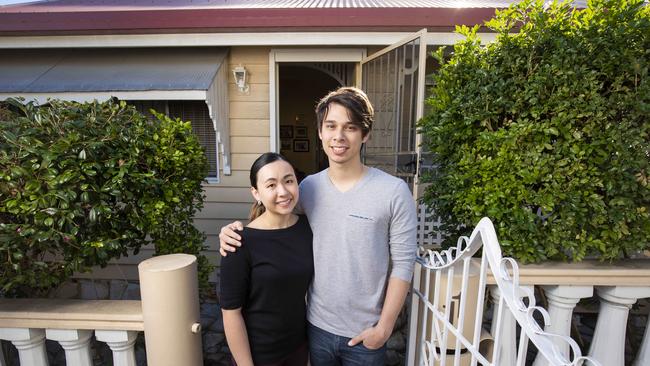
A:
121, 343
75, 343
643, 357
413, 317
608, 344
562, 300
30, 344
508, 336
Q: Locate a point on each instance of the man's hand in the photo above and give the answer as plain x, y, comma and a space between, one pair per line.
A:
229, 240
375, 337
372, 338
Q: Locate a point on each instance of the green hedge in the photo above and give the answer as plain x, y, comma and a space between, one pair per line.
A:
81, 184
546, 131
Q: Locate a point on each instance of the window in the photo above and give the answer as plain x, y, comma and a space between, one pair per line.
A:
195, 111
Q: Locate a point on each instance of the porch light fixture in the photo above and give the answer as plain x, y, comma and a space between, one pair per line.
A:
240, 75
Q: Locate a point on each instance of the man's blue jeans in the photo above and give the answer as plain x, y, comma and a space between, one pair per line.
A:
327, 349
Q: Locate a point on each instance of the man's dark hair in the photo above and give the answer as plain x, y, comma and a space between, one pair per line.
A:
355, 101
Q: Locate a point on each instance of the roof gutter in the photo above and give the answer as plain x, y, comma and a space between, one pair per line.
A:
226, 39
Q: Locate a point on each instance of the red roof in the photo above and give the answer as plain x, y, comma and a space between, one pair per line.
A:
172, 16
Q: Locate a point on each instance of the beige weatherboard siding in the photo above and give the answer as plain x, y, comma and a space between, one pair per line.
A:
249, 137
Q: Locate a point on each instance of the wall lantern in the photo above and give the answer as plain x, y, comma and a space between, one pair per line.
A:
240, 75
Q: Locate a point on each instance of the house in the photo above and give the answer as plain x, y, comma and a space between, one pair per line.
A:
246, 73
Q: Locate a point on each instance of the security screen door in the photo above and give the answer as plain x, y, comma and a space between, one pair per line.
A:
393, 78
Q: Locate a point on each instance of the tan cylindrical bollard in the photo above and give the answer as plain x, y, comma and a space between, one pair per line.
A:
170, 308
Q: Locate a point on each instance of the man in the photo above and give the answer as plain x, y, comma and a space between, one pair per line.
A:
364, 226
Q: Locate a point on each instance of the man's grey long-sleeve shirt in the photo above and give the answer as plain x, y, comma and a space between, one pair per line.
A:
362, 237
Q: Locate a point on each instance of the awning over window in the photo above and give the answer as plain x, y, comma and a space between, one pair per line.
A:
181, 73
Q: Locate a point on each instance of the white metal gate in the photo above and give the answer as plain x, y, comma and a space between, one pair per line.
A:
447, 310
393, 78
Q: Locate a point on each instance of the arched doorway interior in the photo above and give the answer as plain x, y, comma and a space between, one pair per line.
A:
301, 86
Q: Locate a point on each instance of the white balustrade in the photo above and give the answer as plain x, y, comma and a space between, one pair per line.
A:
72, 324
505, 325
608, 344
30, 344
504, 322
121, 343
619, 285
75, 343
561, 302
643, 357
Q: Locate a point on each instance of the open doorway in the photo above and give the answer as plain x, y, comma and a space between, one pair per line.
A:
301, 85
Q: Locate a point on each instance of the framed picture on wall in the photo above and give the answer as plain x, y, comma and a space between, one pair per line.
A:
286, 132
301, 145
285, 145
301, 132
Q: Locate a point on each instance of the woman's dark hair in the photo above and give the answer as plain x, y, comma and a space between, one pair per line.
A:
359, 108
259, 163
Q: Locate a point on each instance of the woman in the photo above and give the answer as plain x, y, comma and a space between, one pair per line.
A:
263, 284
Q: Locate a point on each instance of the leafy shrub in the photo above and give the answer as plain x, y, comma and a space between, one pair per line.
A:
546, 131
81, 184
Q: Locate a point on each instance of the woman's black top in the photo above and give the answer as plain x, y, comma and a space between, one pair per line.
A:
268, 277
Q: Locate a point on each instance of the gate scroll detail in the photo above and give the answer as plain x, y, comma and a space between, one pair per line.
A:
447, 309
